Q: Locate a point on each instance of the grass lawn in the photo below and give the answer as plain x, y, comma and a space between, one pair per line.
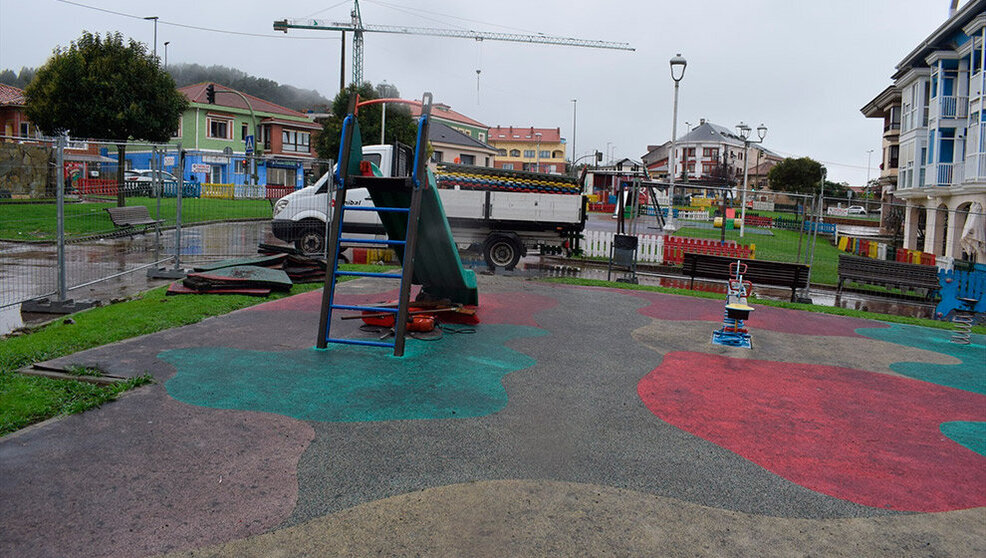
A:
25, 400
21, 221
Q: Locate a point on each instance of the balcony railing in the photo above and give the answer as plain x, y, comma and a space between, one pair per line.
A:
953, 107
942, 175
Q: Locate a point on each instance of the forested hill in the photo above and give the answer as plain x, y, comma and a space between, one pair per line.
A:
187, 74
284, 95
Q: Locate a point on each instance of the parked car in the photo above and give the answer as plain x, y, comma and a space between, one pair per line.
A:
856, 210
139, 182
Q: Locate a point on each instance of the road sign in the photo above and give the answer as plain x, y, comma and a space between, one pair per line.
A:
249, 145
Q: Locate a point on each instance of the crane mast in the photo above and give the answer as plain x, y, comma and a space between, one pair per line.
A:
357, 27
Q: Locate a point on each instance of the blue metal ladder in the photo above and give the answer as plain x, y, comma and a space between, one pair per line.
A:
344, 179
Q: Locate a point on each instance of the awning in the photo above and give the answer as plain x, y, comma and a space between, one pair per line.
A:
88, 158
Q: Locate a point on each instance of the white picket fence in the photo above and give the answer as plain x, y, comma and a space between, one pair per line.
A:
650, 247
694, 215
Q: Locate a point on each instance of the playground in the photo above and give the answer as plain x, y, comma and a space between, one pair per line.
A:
558, 420
572, 418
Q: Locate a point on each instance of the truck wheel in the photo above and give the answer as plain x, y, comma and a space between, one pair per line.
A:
311, 241
501, 251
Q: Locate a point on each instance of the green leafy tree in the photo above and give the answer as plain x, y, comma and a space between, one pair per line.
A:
799, 176
103, 87
400, 125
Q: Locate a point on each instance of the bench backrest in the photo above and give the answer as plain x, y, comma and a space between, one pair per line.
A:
764, 272
860, 267
128, 215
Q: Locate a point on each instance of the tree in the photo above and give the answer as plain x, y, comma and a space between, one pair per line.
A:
101, 87
799, 176
400, 125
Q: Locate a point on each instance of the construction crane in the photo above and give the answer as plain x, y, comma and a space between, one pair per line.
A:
357, 28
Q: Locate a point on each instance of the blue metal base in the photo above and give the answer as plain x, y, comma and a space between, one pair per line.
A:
732, 339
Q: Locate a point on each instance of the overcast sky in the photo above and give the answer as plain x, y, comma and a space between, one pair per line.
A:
804, 68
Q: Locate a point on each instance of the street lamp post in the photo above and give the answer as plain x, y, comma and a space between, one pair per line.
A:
869, 158
744, 132
678, 65
155, 32
166, 43
537, 153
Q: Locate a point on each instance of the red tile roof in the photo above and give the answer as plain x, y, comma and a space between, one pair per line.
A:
196, 94
11, 96
519, 133
439, 110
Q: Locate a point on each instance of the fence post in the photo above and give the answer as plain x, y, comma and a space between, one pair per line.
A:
177, 272
63, 305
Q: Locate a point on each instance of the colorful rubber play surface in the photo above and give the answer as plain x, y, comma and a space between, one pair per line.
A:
572, 421
869, 438
458, 376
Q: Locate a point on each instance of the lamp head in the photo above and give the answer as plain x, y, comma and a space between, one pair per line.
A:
743, 129
678, 67
762, 131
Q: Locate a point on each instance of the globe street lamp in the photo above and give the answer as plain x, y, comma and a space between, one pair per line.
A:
744, 132
678, 65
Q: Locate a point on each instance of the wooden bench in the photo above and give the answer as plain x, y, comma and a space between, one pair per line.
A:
758, 272
131, 217
889, 274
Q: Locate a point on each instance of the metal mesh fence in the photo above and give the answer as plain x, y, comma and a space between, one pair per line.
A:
212, 205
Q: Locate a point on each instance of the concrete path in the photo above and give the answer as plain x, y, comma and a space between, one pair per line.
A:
571, 421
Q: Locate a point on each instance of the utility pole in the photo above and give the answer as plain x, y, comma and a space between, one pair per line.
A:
575, 104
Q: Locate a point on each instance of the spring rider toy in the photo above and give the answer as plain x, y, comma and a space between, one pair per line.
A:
733, 332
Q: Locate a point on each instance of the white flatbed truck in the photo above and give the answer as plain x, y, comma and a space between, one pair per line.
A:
486, 208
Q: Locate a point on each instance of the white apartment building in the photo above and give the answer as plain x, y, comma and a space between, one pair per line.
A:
942, 154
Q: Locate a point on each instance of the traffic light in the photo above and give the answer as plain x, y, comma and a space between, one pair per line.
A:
210, 94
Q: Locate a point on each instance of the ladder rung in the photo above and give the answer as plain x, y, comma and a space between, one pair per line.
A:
377, 309
369, 274
359, 342
377, 209
371, 241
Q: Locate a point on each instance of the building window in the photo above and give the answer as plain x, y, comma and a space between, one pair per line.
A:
243, 131
279, 177
508, 166
688, 151
552, 168
707, 168
501, 152
25, 129
557, 155
515, 153
482, 137
219, 128
468, 159
712, 152
295, 141
177, 132
436, 156
528, 153
544, 154
487, 162
691, 166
